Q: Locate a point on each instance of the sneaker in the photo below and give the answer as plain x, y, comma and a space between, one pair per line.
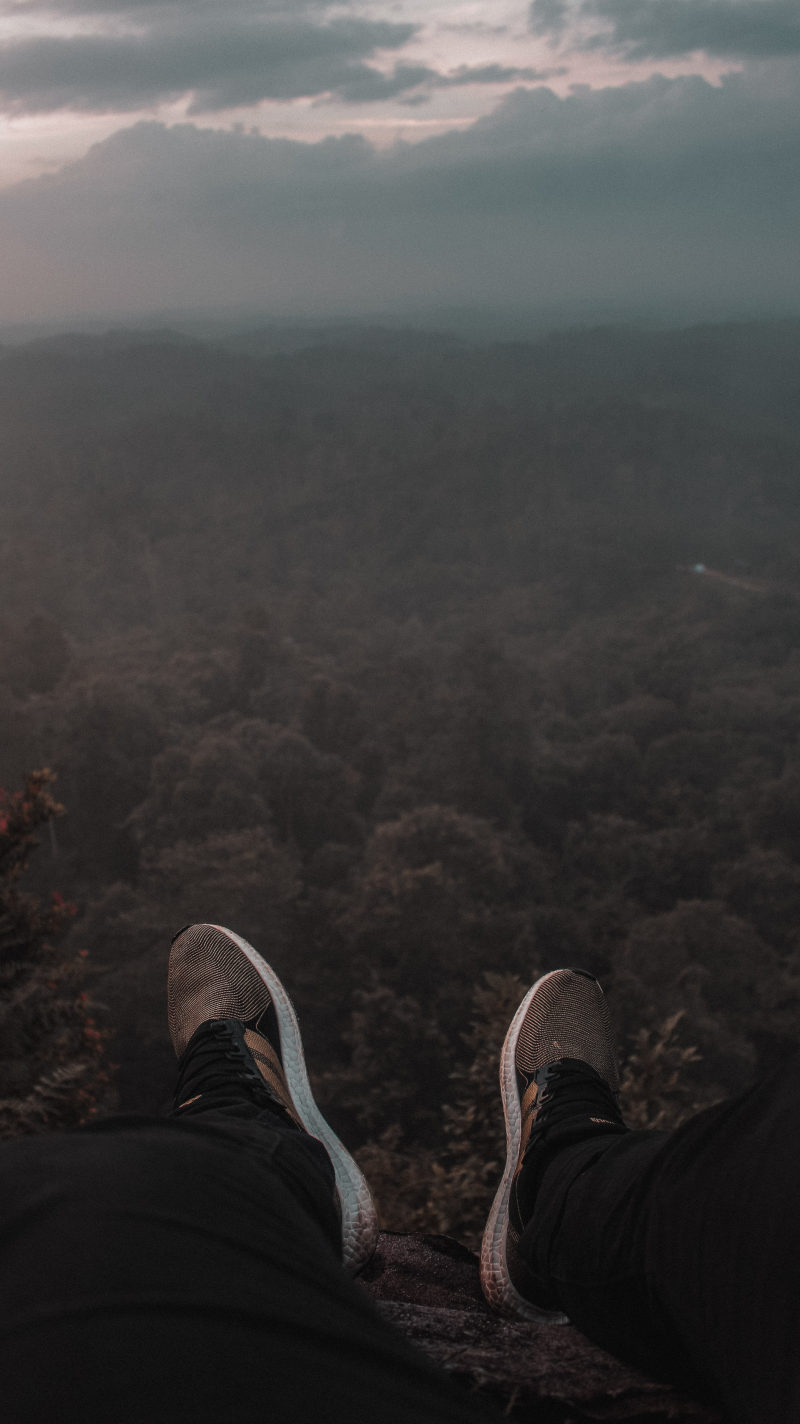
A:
560, 1082
232, 1024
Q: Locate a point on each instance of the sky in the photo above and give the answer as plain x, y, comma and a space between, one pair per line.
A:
297, 159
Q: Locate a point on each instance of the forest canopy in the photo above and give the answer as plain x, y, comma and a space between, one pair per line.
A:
428, 666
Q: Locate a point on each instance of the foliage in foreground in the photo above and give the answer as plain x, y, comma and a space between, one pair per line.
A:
53, 1068
418, 1189
54, 1072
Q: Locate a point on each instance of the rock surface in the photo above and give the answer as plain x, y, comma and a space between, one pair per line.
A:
429, 1288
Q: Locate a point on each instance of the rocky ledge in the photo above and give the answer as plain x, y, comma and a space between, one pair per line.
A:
429, 1288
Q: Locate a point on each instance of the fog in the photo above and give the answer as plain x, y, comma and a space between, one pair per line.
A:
657, 193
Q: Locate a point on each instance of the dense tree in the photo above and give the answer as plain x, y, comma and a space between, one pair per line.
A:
393, 655
256, 880
776, 818
442, 895
36, 656
713, 966
53, 1067
331, 716
764, 888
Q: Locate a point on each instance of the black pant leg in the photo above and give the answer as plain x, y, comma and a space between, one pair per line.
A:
299, 1159
728, 1192
681, 1252
174, 1271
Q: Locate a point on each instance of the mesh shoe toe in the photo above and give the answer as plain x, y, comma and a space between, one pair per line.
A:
559, 1082
233, 1027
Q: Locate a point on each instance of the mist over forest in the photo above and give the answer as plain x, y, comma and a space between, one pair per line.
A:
429, 665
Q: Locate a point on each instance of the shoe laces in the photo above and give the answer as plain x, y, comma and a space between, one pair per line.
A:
573, 1098
215, 1059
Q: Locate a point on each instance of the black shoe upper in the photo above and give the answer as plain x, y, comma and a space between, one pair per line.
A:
571, 1095
568, 1101
218, 1065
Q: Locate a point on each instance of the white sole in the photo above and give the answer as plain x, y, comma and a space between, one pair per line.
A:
496, 1282
359, 1218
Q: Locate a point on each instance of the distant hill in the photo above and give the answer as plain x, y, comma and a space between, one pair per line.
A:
595, 460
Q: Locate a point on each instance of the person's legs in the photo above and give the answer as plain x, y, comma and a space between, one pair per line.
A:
679, 1252
189, 1267
166, 1270
237, 1039
585, 1247
724, 1246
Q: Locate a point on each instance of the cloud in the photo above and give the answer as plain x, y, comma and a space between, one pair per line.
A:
221, 64
152, 9
490, 74
368, 85
471, 27
167, 51
549, 17
640, 30
670, 191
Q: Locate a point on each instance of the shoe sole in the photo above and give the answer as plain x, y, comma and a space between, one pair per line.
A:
359, 1219
496, 1282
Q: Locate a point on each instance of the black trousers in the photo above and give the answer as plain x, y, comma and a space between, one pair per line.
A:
186, 1269
680, 1252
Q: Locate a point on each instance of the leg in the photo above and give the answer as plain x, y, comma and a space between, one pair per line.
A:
679, 1252
165, 1270
190, 1268
585, 1246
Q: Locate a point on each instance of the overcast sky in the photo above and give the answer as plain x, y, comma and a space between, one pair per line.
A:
299, 158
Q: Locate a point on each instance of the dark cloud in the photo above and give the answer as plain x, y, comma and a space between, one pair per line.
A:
667, 191
663, 29
251, 54
147, 10
548, 17
366, 85
221, 65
